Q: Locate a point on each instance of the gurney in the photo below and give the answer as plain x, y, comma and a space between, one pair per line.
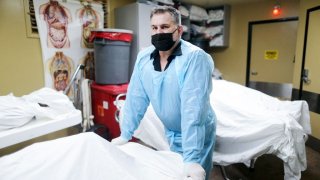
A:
249, 124
39, 113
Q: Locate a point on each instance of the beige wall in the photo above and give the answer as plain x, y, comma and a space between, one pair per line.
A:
232, 61
304, 5
21, 68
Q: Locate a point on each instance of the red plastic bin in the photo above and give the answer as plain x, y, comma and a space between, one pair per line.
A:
103, 108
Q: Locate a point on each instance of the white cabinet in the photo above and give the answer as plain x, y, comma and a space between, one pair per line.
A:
135, 17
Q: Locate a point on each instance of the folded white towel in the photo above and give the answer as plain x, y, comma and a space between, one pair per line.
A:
215, 15
198, 13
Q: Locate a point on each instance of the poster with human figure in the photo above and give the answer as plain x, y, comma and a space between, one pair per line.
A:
60, 67
88, 62
64, 29
57, 17
90, 19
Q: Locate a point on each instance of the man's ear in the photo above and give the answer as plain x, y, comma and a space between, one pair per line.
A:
180, 30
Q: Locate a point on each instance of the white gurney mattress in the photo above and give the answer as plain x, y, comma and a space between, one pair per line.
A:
249, 124
88, 156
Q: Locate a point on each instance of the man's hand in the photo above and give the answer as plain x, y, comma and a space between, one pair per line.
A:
119, 141
193, 171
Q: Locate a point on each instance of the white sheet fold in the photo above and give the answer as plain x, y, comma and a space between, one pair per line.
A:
18, 111
15, 112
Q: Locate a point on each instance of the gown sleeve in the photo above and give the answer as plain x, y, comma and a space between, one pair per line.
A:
195, 91
136, 104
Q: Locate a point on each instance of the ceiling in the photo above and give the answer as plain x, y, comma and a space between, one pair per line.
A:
206, 3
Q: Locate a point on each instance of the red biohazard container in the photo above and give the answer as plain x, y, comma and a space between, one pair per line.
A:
103, 108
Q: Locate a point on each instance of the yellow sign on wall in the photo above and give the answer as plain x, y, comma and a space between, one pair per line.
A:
271, 54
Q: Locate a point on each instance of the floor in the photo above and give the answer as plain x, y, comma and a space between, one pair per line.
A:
269, 167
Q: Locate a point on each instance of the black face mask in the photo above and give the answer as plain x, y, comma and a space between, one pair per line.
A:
163, 41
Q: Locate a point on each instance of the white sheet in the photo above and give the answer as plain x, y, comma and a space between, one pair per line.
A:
88, 156
249, 124
18, 111
22, 118
15, 112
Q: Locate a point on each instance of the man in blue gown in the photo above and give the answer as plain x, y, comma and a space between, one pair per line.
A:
176, 78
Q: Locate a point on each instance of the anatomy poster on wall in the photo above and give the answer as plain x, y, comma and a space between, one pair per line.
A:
64, 28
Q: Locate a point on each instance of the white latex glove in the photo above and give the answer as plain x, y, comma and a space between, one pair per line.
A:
119, 141
193, 171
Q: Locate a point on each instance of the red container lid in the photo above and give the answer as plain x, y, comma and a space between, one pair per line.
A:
110, 89
112, 34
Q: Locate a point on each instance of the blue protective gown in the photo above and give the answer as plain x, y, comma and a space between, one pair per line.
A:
180, 98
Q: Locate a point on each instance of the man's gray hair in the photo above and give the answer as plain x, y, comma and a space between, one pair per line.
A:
163, 9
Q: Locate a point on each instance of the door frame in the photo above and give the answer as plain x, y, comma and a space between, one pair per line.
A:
249, 45
300, 94
306, 29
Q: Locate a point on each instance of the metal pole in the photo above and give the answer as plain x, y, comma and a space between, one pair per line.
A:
80, 66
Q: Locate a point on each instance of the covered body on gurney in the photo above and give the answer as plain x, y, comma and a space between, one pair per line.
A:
249, 124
